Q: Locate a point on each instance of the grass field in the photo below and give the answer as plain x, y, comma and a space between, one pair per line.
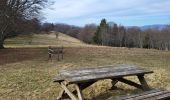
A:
43, 40
26, 74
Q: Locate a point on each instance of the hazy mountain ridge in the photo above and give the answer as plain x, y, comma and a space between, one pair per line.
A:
156, 26
145, 27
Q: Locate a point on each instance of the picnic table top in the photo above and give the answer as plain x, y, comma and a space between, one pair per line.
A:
97, 73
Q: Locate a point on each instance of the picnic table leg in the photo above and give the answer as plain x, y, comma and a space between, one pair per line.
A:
49, 56
58, 53
62, 55
79, 92
61, 94
66, 91
62, 52
129, 82
114, 81
143, 82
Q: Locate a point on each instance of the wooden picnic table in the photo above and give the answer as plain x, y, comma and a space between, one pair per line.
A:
84, 77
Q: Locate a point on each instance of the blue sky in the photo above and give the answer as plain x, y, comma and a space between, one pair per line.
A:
125, 12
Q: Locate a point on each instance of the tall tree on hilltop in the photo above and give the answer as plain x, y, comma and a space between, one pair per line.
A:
97, 36
101, 35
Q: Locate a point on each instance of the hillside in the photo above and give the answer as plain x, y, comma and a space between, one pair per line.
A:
26, 74
43, 40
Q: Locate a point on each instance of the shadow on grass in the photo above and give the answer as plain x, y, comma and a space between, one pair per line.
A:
13, 55
116, 93
104, 96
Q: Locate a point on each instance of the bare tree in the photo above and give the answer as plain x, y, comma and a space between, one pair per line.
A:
121, 36
87, 33
12, 11
47, 27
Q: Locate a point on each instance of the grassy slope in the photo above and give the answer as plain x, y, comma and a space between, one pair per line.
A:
43, 40
25, 73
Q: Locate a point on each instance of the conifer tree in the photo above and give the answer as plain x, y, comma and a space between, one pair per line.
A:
101, 33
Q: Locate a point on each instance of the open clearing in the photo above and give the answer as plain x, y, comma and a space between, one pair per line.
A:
43, 40
26, 73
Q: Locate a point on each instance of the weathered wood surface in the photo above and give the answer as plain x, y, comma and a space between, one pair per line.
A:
105, 72
147, 95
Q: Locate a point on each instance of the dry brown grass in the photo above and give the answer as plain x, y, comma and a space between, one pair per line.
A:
26, 73
43, 40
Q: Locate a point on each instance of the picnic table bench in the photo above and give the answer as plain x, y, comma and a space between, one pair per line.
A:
84, 77
55, 51
155, 94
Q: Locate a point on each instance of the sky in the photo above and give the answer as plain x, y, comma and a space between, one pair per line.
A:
124, 12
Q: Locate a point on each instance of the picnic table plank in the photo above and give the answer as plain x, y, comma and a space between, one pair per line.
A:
58, 78
108, 75
94, 70
91, 74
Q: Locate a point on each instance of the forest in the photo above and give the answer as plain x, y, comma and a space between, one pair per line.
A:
112, 34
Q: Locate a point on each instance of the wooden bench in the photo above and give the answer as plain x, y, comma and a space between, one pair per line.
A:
55, 51
84, 77
156, 94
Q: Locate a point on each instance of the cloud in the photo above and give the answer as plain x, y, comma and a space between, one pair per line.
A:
80, 12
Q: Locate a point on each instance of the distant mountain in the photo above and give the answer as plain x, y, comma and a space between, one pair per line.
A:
145, 27
156, 26
111, 24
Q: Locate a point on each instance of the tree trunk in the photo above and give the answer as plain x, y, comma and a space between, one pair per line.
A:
1, 44
1, 41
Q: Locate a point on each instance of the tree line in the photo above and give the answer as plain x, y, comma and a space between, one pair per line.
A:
112, 34
120, 36
85, 33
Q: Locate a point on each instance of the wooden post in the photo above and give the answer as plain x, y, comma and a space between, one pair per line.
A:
49, 56
62, 51
49, 53
58, 53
